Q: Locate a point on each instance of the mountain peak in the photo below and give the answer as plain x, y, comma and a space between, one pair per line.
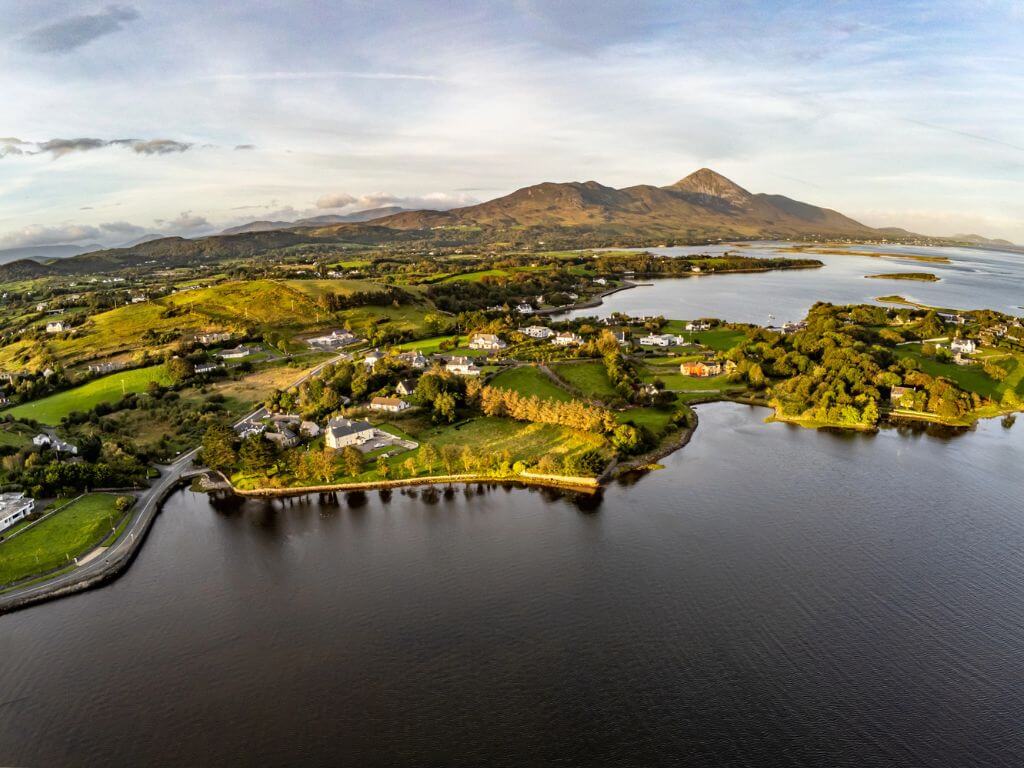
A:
711, 183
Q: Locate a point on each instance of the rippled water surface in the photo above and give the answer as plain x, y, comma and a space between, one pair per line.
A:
774, 596
973, 279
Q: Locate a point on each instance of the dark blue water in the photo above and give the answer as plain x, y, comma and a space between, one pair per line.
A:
774, 596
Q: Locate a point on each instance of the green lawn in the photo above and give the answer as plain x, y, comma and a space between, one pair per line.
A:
15, 435
475, 277
969, 377
432, 345
528, 380
70, 533
589, 377
107, 389
718, 339
525, 441
654, 419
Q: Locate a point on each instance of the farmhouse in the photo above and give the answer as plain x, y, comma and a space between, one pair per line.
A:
372, 358
462, 366
406, 387
701, 368
537, 332
56, 327
524, 309
43, 440
388, 404
963, 346
343, 432
212, 338
207, 367
488, 341
14, 507
250, 428
413, 359
898, 394
698, 325
105, 367
283, 437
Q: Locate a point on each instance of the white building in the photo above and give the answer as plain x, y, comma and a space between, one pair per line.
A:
13, 508
57, 327
43, 440
488, 341
372, 357
537, 332
233, 354
413, 359
333, 339
207, 367
566, 338
344, 432
661, 340
963, 347
462, 366
212, 338
388, 404
524, 309
698, 325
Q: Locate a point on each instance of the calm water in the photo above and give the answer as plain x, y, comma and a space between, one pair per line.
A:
975, 279
774, 597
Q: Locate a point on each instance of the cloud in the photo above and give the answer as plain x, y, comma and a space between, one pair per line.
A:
186, 224
439, 201
60, 147
245, 146
49, 235
335, 200
75, 31
123, 229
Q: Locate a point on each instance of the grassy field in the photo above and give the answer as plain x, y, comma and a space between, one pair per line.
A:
971, 377
433, 344
15, 435
528, 380
719, 339
590, 377
107, 389
70, 533
476, 277
654, 419
314, 289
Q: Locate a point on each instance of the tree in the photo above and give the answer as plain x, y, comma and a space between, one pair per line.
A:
428, 457
449, 458
352, 460
323, 464
255, 455
219, 448
444, 408
382, 467
178, 369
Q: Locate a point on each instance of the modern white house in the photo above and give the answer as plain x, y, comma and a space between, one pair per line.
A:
14, 507
344, 432
488, 341
462, 366
336, 338
388, 404
233, 354
537, 331
661, 340
566, 338
963, 347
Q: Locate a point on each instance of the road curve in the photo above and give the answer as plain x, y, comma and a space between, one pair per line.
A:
120, 554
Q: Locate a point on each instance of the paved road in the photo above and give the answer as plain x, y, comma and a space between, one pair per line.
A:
117, 557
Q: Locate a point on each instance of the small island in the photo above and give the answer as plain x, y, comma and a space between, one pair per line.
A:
924, 277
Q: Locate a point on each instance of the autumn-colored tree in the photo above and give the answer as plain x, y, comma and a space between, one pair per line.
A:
352, 460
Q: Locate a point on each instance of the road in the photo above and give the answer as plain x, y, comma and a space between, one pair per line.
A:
119, 555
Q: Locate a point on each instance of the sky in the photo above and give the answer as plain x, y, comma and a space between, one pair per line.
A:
120, 120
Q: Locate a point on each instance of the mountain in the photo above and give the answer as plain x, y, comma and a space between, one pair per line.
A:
980, 240
701, 205
316, 221
44, 252
140, 240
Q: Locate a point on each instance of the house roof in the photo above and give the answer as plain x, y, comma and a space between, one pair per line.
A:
341, 427
387, 401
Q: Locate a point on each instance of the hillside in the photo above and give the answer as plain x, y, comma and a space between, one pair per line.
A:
316, 221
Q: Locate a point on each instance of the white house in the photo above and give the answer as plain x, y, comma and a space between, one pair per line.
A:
462, 366
388, 404
207, 367
600, 281
335, 338
963, 346
406, 387
212, 338
488, 341
343, 432
661, 340
537, 332
566, 338
372, 358
14, 507
698, 325
57, 327
524, 309
43, 440
247, 429
233, 354
105, 367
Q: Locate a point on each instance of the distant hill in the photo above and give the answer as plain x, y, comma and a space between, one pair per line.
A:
44, 252
703, 204
316, 221
980, 240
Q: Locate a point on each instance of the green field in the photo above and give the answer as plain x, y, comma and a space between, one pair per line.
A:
590, 377
970, 377
719, 339
528, 380
15, 435
654, 419
70, 533
108, 389
526, 442
475, 277
432, 345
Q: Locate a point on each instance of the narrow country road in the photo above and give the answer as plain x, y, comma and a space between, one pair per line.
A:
117, 556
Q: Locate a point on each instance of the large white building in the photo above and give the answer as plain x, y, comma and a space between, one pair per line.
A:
566, 338
14, 507
332, 339
487, 341
661, 340
462, 366
344, 432
537, 331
